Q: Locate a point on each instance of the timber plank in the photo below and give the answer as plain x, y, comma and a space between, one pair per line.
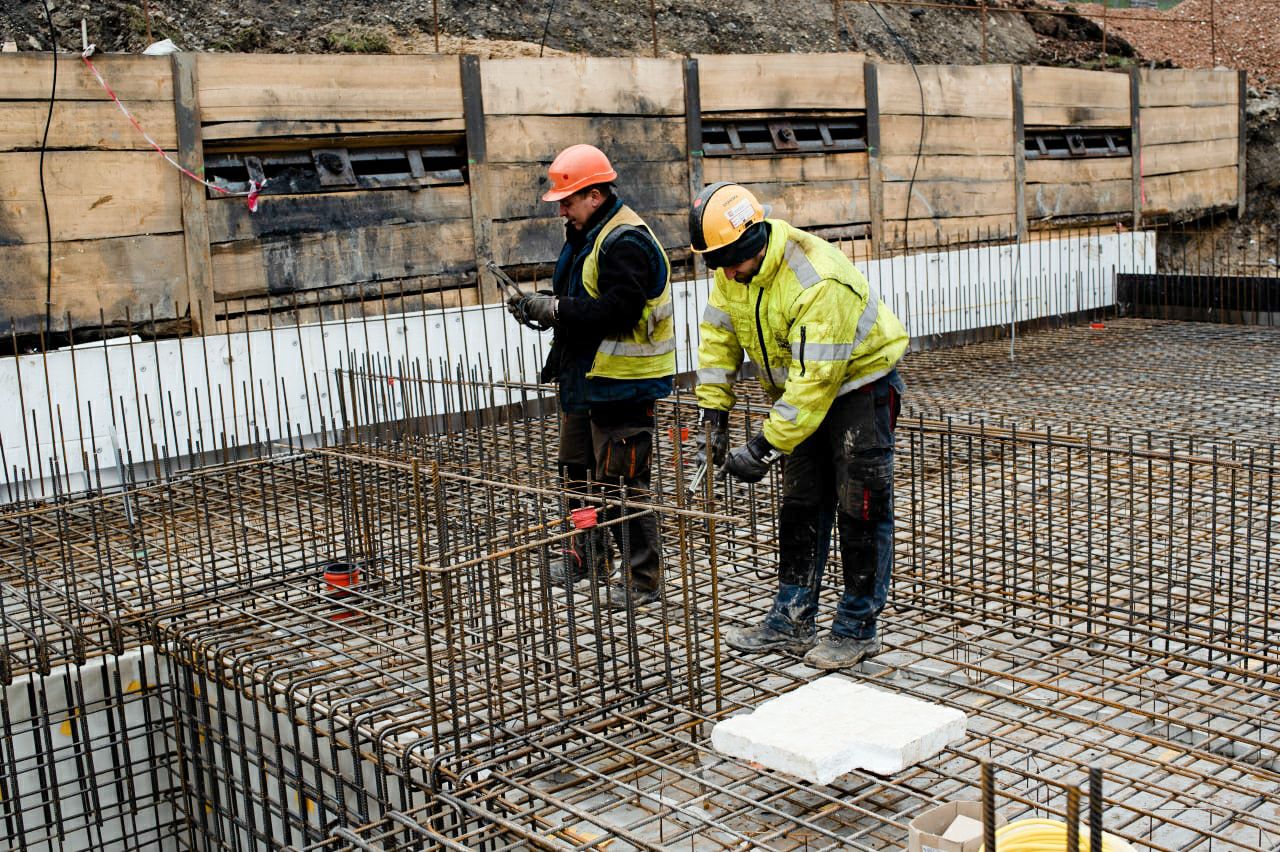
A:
900, 134
514, 191
195, 215
1164, 87
1079, 171
923, 233
92, 195
134, 273
293, 215
1167, 125
948, 199
1190, 190
947, 167
1051, 200
262, 132
525, 241
27, 76
781, 81
256, 87
1076, 116
851, 165
816, 204
537, 138
85, 124
1072, 87
308, 261
978, 91
1189, 156
575, 85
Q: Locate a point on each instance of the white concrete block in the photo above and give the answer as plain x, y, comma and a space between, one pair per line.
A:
834, 725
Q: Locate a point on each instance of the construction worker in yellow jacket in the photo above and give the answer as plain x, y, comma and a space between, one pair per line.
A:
826, 350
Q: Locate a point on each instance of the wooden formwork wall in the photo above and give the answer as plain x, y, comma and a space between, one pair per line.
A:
944, 160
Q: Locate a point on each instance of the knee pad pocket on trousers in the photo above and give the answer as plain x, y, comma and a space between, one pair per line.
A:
867, 493
625, 456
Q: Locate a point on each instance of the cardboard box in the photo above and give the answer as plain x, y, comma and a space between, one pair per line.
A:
927, 830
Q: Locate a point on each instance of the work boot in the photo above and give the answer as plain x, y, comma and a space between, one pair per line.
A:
842, 652
619, 594
762, 637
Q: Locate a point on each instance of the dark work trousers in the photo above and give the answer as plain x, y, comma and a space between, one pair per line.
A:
615, 442
843, 472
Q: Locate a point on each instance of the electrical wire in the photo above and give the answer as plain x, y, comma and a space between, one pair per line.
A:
1048, 835
551, 7
44, 195
906, 216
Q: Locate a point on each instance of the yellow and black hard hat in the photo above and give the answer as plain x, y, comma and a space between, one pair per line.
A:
726, 224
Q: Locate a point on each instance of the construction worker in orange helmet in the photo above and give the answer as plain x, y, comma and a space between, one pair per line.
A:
613, 355
826, 349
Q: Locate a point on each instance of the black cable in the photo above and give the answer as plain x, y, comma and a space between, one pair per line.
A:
906, 216
44, 197
551, 7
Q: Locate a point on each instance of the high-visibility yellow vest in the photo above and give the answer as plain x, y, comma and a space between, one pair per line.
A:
648, 349
811, 323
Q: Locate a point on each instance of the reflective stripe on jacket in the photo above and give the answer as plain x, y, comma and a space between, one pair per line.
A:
811, 323
648, 349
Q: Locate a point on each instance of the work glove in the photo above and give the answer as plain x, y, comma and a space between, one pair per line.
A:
718, 421
535, 310
751, 461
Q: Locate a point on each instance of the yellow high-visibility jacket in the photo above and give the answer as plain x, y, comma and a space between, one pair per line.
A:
809, 321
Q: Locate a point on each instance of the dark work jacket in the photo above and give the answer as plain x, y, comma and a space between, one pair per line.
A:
631, 272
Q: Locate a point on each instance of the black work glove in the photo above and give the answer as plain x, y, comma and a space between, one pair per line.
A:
719, 423
536, 310
751, 461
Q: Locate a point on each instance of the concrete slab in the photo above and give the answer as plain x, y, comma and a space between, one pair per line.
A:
833, 725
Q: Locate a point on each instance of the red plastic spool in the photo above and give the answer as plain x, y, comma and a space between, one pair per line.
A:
584, 518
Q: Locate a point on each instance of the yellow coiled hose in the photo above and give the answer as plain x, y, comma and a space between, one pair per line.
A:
1049, 835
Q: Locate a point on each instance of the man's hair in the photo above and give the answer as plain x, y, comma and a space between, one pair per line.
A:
606, 189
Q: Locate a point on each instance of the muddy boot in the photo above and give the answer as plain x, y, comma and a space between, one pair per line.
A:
622, 596
842, 652
759, 638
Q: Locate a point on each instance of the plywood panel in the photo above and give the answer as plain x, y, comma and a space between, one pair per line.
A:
568, 85
1079, 171
851, 165
945, 199
539, 240
537, 138
1050, 200
1164, 125
85, 124
515, 191
27, 76
1189, 156
375, 253
1186, 87
263, 132
1074, 87
243, 87
293, 215
1189, 190
137, 273
92, 194
945, 167
900, 134
978, 91
808, 205
785, 81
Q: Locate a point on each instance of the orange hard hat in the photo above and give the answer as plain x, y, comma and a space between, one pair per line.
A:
578, 167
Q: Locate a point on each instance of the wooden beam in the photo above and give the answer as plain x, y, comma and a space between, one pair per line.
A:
1057, 200
85, 124
583, 85
900, 134
1191, 190
1189, 156
848, 165
195, 219
976, 91
782, 82
487, 290
693, 142
1187, 87
1019, 153
1136, 141
270, 134
538, 138
1079, 171
901, 167
1243, 138
875, 192
28, 76
1166, 125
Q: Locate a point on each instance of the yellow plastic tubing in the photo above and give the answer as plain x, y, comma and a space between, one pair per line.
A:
1049, 835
